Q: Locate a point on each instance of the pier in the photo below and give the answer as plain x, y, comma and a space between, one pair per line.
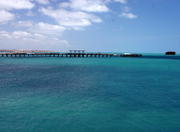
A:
70, 54
67, 55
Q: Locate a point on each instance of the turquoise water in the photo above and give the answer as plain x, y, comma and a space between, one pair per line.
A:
89, 95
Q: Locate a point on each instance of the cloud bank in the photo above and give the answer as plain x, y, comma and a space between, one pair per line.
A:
55, 18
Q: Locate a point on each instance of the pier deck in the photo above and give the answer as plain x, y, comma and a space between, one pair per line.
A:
68, 55
72, 55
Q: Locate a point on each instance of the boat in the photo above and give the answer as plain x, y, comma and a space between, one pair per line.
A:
170, 53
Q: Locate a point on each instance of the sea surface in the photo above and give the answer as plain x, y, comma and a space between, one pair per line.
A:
90, 94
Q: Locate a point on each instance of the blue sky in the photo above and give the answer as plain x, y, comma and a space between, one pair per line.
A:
93, 25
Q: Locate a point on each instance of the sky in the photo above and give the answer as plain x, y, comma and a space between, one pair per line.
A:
146, 26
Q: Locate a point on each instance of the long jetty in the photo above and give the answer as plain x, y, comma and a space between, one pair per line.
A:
70, 54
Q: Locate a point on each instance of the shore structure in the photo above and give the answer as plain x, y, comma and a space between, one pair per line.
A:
71, 54
170, 53
130, 55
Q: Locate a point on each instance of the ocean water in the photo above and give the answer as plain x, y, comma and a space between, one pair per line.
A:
90, 94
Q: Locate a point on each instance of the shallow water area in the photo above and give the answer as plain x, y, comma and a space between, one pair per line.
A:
90, 94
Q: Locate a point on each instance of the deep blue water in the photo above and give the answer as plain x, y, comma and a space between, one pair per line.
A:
89, 95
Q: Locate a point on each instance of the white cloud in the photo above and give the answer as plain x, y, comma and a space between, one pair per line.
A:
4, 34
6, 5
5, 16
16, 4
48, 29
23, 24
71, 19
128, 15
27, 40
73, 14
90, 5
40, 27
77, 14
21, 34
121, 1
16, 35
87, 5
42, 1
